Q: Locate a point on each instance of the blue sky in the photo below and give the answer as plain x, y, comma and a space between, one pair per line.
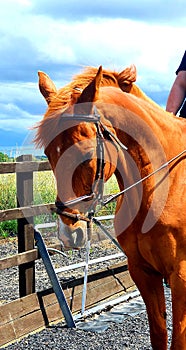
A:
61, 36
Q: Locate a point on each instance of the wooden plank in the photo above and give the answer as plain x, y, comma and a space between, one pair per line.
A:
31, 322
7, 334
96, 292
22, 258
25, 212
25, 315
18, 328
18, 259
17, 167
18, 308
100, 289
101, 285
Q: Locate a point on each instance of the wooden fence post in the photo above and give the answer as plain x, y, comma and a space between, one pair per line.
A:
25, 228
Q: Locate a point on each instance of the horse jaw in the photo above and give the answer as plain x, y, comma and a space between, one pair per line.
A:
73, 236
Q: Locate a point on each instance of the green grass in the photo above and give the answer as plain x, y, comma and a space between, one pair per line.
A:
44, 192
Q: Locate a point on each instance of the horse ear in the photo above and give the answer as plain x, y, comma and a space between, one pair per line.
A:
46, 86
127, 77
91, 92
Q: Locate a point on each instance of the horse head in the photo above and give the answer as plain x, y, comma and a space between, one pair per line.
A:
79, 150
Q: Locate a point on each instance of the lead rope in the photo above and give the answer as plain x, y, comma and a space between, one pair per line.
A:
84, 293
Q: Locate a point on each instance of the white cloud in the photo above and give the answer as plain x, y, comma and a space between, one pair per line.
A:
14, 118
109, 41
18, 91
145, 10
49, 36
113, 43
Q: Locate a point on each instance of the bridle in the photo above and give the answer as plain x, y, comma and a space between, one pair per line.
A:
102, 133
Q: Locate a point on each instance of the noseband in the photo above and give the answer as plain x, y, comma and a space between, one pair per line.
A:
97, 192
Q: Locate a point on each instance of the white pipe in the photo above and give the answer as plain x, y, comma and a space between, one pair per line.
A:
91, 262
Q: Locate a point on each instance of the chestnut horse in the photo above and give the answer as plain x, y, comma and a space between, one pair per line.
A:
102, 124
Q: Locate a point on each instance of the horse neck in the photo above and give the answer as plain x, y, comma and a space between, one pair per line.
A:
148, 132
146, 129
145, 121
136, 91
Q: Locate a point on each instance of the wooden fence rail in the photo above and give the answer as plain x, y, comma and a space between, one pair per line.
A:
24, 166
28, 211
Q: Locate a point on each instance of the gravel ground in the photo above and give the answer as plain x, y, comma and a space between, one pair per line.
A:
132, 333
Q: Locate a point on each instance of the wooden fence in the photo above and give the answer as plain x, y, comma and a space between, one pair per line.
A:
32, 310
24, 213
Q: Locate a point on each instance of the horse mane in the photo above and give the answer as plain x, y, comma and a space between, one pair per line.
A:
121, 80
63, 99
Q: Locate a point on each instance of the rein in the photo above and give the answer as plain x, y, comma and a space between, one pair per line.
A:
114, 196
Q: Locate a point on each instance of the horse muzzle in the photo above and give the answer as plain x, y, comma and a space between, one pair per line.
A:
72, 236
